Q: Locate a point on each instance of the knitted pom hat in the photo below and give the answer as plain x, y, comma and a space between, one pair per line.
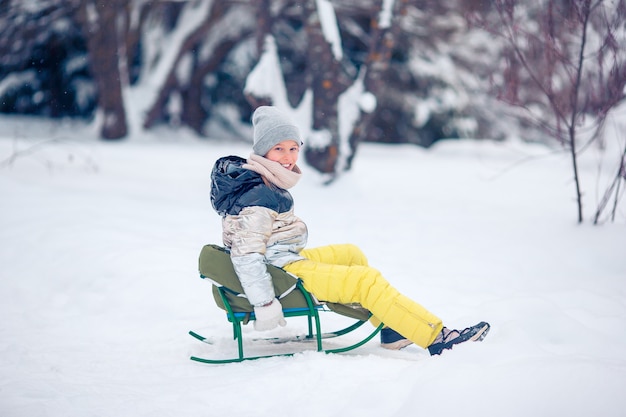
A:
271, 127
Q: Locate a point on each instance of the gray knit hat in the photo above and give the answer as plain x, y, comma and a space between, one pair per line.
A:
272, 127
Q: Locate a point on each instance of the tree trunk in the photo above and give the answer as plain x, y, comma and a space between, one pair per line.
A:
575, 112
98, 19
382, 42
194, 114
327, 82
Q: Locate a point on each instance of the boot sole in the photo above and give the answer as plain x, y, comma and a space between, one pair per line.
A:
397, 345
481, 334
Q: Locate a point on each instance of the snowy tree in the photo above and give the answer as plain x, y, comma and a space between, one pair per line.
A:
185, 62
324, 79
43, 60
393, 71
191, 53
565, 68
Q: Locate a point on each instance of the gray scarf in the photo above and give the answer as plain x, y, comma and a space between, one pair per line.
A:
273, 171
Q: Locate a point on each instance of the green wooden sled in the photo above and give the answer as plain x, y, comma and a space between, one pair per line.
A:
215, 266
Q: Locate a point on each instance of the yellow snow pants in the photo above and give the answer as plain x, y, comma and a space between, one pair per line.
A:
341, 274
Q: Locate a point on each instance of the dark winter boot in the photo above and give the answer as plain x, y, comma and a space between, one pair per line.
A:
448, 338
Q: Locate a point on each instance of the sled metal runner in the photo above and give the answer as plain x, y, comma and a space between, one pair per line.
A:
215, 266
314, 334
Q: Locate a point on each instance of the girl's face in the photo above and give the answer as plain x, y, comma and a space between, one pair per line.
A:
285, 153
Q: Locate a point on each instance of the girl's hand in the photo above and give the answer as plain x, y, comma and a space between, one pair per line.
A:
269, 316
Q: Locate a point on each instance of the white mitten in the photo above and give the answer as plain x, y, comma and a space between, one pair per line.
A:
269, 316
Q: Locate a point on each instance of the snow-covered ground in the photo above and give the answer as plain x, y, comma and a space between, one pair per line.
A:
99, 283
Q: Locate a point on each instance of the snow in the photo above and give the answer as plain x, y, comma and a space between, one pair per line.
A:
16, 81
330, 28
386, 14
265, 80
99, 283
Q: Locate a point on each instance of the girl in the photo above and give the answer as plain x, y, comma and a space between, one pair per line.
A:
260, 227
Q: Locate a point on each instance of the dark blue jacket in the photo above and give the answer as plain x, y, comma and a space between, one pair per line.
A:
234, 188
